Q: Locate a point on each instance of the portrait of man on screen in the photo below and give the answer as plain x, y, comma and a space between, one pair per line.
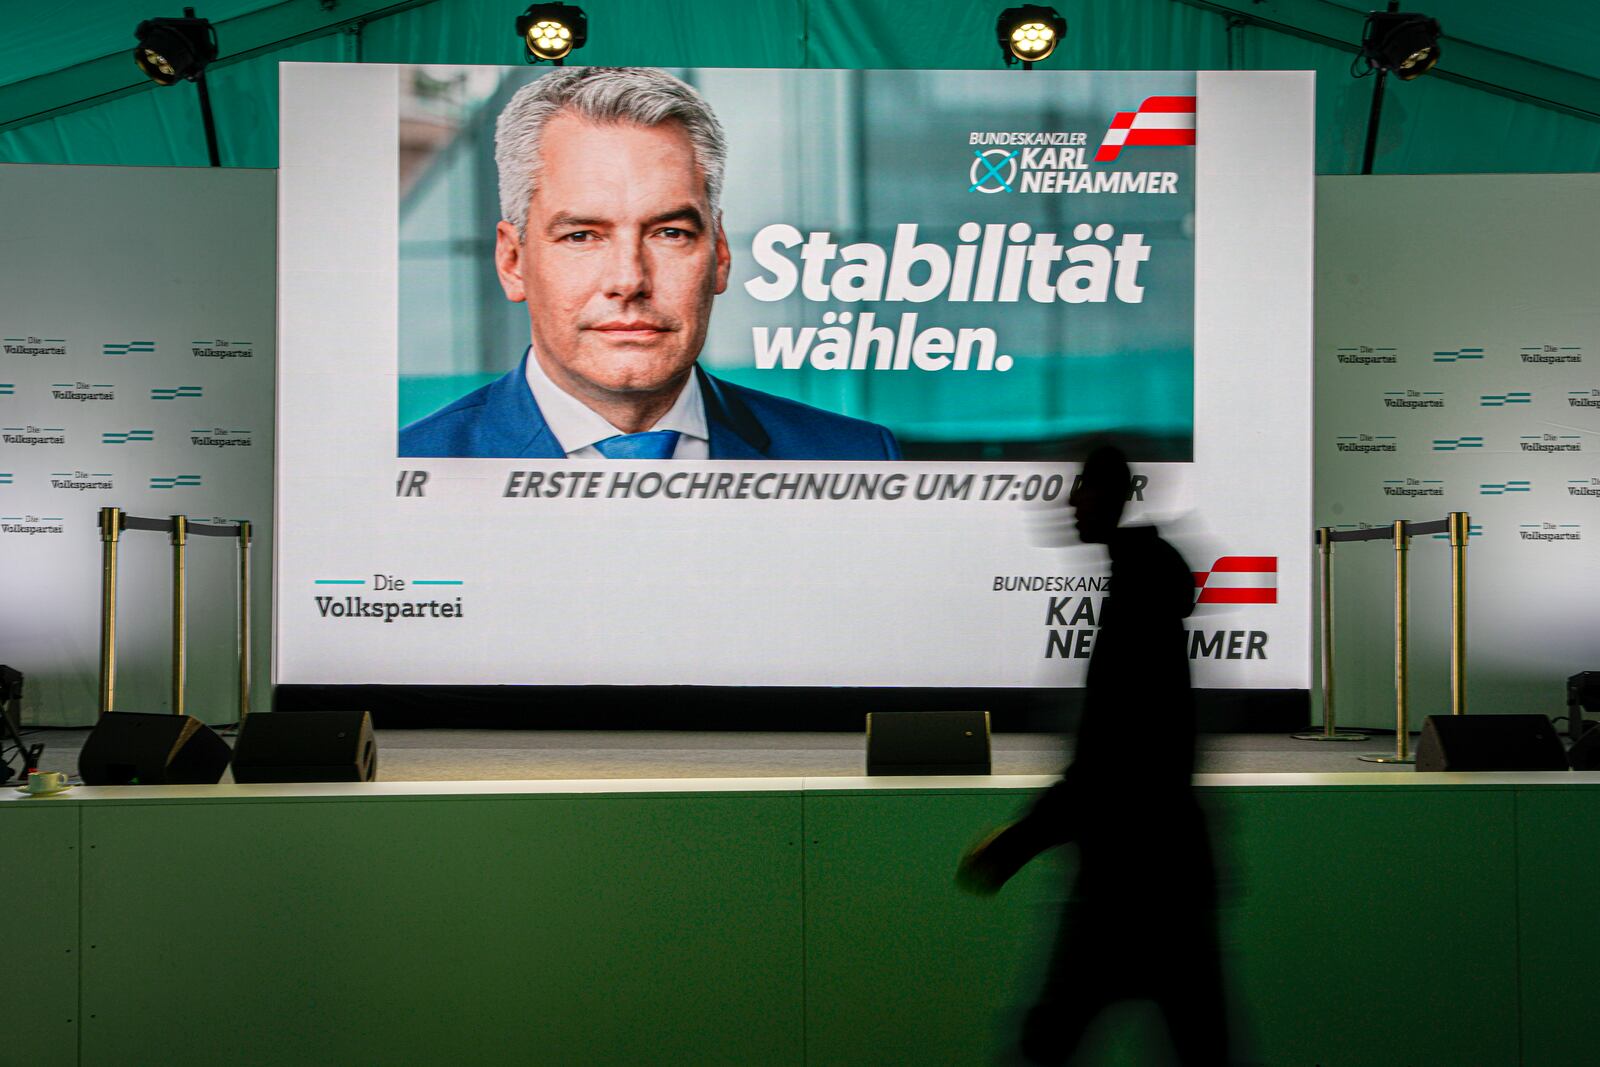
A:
611, 234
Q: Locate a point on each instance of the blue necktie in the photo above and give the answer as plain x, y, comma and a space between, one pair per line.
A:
657, 444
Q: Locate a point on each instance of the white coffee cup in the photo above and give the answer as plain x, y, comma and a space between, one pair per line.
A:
47, 782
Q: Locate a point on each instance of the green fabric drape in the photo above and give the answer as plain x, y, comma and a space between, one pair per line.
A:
161, 127
1430, 126
40, 38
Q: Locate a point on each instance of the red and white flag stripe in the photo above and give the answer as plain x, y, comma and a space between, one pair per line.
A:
1160, 120
1239, 580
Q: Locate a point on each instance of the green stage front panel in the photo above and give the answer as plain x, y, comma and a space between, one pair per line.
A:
39, 931
902, 966
598, 929
1364, 922
1559, 861
1370, 927
1359, 928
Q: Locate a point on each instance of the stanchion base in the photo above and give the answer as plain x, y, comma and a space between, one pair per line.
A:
1320, 736
1387, 759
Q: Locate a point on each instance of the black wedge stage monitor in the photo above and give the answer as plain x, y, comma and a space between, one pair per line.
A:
306, 746
928, 742
1489, 743
152, 748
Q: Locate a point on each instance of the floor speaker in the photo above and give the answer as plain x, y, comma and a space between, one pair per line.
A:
306, 746
1489, 743
928, 742
136, 748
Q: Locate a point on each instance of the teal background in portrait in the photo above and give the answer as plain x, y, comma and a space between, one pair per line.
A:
853, 153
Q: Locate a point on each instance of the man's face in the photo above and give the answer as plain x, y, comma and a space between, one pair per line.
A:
620, 259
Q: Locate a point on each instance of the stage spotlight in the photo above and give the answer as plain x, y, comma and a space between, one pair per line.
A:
1029, 33
552, 31
1403, 43
170, 50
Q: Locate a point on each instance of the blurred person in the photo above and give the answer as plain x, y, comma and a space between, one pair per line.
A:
1140, 922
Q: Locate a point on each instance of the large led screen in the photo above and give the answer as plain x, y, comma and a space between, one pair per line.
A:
738, 377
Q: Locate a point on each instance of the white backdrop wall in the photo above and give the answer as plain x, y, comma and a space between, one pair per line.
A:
137, 312
1458, 369
1491, 262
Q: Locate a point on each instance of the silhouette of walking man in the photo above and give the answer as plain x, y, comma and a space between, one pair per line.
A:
1140, 922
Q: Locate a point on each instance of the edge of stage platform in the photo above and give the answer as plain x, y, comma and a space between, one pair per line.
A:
640, 787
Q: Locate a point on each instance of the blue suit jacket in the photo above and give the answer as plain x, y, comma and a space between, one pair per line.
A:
501, 420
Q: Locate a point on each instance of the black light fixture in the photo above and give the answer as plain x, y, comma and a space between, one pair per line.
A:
172, 50
1402, 43
1029, 33
550, 32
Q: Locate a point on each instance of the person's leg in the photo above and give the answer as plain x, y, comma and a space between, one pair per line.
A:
1054, 1028
1192, 999
1076, 989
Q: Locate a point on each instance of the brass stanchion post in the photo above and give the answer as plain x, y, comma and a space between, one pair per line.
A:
1325, 585
180, 540
1402, 737
244, 621
1460, 531
110, 533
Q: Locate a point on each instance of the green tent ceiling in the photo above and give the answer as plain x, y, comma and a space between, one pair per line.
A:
1518, 88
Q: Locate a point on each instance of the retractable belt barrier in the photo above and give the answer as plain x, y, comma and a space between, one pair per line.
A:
113, 521
1458, 527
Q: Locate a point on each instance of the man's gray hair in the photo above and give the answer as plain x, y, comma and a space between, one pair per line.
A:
642, 96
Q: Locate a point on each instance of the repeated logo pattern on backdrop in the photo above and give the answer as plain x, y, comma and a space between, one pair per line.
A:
1504, 427
85, 429
95, 387
113, 402
1495, 430
149, 425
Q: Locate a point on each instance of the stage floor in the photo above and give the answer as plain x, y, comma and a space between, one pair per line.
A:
517, 755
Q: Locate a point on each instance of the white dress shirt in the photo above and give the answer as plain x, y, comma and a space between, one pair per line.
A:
576, 426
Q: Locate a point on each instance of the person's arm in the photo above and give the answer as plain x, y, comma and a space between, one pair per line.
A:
992, 862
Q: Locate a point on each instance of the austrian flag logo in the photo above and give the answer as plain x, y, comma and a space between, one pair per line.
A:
1160, 120
1239, 580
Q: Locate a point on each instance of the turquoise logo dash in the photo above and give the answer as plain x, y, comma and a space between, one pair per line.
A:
127, 348
1452, 444
175, 481
1501, 488
1473, 530
175, 392
339, 581
1500, 400
1456, 355
127, 437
